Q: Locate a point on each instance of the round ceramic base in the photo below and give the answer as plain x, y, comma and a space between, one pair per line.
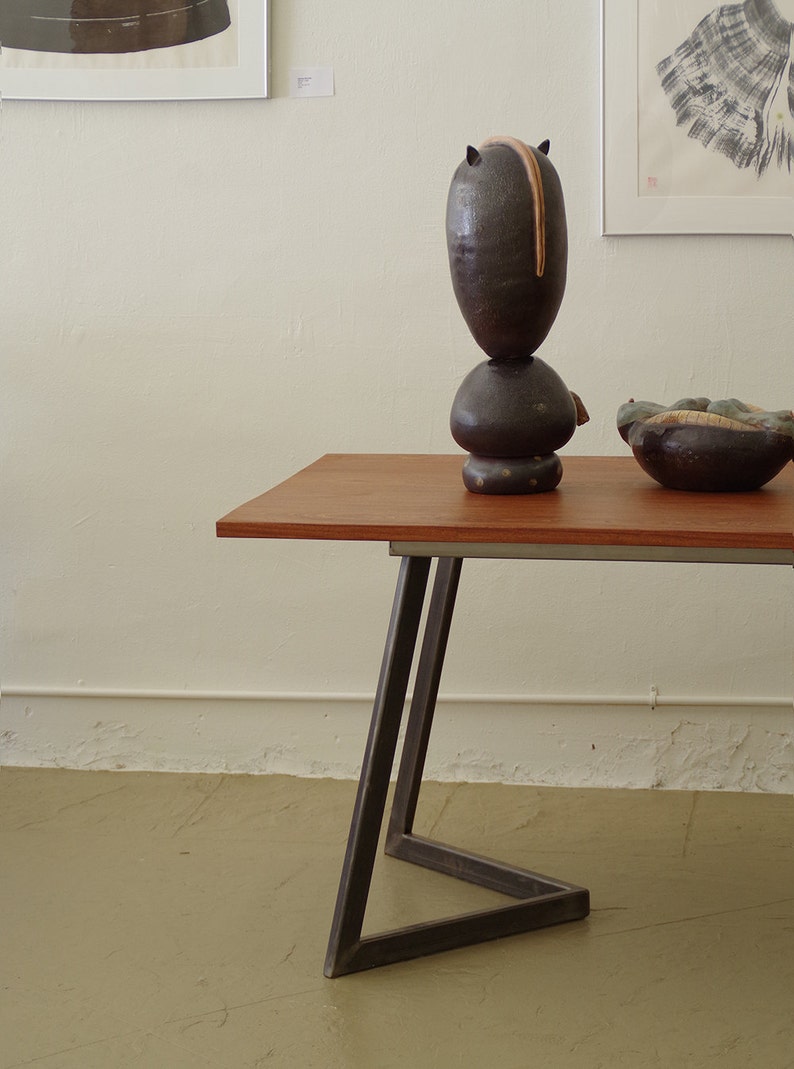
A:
512, 475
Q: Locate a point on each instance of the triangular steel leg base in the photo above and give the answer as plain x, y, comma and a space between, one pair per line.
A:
543, 902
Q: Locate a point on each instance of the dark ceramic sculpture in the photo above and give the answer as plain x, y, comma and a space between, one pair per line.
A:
508, 254
703, 445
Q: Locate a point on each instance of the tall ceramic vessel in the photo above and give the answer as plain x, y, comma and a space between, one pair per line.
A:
508, 255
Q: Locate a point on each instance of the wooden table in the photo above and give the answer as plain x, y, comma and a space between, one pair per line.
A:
604, 509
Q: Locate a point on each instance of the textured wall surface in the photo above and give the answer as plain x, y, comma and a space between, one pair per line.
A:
200, 297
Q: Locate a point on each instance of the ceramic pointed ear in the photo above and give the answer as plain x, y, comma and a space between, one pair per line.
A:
544, 147
472, 156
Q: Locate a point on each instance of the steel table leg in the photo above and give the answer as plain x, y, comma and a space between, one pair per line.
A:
344, 943
542, 901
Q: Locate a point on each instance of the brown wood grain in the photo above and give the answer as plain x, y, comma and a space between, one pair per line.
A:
421, 498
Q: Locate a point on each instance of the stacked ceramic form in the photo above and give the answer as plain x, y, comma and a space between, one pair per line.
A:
508, 254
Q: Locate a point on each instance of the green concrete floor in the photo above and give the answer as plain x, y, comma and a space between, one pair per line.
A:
172, 921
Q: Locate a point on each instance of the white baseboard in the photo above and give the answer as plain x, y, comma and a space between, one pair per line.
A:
584, 742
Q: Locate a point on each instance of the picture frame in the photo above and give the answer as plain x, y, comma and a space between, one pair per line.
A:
220, 53
687, 188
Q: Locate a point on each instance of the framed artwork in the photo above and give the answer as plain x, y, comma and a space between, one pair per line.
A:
697, 117
133, 49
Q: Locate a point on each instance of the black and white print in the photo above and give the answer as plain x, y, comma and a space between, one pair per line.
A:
730, 84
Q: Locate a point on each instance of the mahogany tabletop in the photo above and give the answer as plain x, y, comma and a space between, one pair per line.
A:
421, 498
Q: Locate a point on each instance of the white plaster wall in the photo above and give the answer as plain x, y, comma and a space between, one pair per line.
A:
200, 297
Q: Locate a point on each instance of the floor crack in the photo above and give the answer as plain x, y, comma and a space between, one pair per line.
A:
696, 917
198, 1017
69, 805
77, 1046
199, 806
689, 823
444, 807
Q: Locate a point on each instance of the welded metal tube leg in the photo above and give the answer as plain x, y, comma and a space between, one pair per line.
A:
373, 785
423, 703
